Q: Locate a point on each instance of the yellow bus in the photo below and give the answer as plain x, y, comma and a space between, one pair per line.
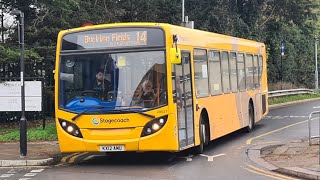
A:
155, 87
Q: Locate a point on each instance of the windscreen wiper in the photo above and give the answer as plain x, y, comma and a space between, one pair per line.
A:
90, 108
129, 109
135, 111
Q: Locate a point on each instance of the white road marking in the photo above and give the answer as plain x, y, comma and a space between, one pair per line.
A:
24, 178
6, 175
298, 116
188, 158
37, 171
210, 158
276, 117
30, 174
316, 107
12, 171
283, 117
249, 141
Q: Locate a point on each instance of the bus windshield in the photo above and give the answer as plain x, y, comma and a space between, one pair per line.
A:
135, 80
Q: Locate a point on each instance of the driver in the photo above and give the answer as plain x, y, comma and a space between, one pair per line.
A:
101, 85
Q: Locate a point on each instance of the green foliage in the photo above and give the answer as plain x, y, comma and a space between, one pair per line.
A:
293, 22
284, 99
8, 53
33, 134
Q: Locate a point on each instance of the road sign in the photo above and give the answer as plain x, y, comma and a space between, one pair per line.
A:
10, 96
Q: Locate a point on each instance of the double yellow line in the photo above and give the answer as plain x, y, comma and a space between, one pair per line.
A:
72, 157
270, 174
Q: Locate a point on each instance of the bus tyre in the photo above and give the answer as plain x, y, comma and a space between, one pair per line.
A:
202, 134
251, 118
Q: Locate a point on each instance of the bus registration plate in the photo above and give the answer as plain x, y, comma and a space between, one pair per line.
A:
111, 148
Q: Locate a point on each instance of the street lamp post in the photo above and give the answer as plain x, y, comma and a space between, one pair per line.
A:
23, 120
316, 59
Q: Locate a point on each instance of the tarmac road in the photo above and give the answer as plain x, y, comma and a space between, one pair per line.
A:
225, 158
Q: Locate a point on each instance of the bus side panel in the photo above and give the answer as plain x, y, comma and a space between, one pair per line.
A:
264, 84
223, 117
258, 106
245, 99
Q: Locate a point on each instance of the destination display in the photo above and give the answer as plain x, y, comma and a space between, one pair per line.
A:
103, 40
113, 38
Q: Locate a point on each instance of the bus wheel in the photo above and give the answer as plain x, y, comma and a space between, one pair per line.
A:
202, 134
251, 118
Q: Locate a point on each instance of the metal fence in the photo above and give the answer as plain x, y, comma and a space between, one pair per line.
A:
310, 126
288, 92
33, 70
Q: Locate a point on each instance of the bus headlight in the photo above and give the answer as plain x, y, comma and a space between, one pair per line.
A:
70, 128
154, 126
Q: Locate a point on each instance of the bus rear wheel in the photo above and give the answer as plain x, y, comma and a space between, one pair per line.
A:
251, 118
203, 134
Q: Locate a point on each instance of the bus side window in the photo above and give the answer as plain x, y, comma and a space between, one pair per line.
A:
233, 72
249, 71
201, 72
225, 72
255, 71
215, 72
260, 70
241, 72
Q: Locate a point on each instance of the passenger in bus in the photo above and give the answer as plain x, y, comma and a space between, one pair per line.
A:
101, 85
147, 96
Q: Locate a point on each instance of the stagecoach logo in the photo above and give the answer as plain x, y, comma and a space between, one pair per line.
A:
95, 121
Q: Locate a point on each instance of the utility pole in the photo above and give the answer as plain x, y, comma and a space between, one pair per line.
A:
282, 54
316, 59
182, 11
23, 120
185, 19
2, 25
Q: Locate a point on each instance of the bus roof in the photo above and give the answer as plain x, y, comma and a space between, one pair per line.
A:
187, 36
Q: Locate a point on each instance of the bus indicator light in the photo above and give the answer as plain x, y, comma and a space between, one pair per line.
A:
63, 124
76, 132
161, 121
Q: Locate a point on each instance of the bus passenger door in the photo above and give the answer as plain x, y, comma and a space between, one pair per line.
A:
183, 97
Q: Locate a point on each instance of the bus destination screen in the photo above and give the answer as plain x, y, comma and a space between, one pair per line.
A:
113, 38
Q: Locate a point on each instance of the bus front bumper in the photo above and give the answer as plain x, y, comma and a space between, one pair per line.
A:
163, 140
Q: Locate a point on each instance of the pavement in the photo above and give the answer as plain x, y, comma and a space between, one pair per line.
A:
296, 158
38, 154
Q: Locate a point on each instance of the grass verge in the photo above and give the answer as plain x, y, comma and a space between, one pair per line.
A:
33, 134
284, 99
